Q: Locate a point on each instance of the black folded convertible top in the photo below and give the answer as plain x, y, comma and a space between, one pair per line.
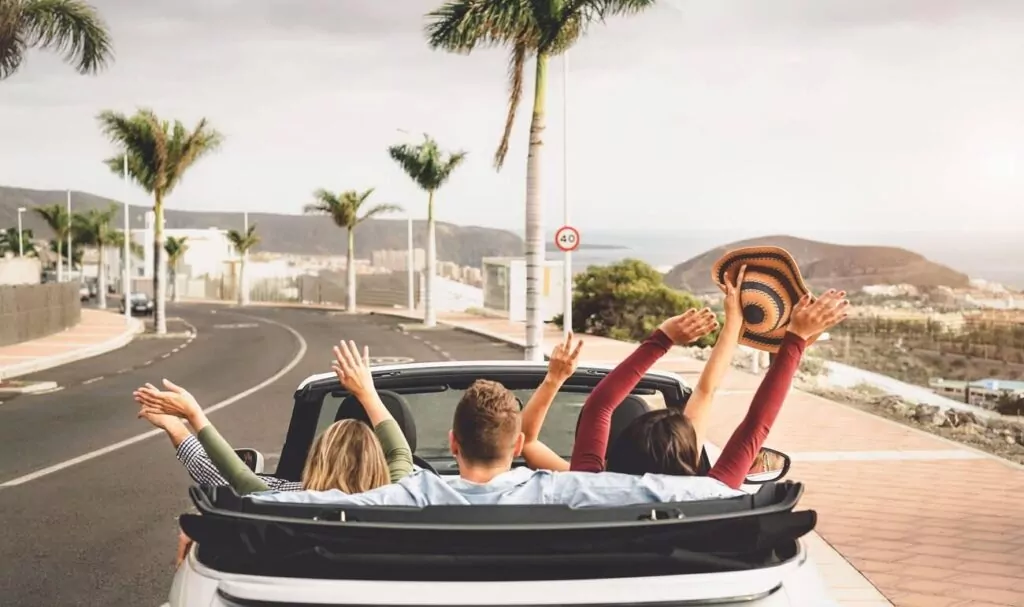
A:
496, 542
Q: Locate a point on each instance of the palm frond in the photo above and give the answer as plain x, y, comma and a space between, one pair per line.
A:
460, 26
425, 163
71, 27
379, 210
244, 241
56, 217
515, 94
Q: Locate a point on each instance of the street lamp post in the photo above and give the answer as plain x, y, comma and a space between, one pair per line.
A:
21, 238
126, 278
410, 271
567, 262
71, 257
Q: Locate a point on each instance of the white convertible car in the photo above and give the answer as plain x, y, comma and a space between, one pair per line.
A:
744, 551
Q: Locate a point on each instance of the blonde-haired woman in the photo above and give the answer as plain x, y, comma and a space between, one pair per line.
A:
348, 455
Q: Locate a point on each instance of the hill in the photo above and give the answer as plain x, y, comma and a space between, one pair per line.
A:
293, 234
827, 265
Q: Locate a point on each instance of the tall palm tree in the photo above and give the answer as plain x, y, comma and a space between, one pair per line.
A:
430, 168
56, 217
9, 242
70, 27
344, 209
539, 29
176, 247
243, 241
159, 153
95, 227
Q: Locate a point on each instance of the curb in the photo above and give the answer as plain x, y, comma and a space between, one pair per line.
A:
49, 362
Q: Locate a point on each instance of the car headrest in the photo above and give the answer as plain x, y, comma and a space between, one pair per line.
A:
629, 409
399, 408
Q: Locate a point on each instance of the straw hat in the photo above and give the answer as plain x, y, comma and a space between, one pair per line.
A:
772, 285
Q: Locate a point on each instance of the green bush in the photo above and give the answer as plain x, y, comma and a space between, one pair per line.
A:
626, 300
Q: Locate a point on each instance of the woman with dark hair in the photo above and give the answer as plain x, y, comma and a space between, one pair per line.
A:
664, 441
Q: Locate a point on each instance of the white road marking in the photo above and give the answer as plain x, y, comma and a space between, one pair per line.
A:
92, 381
141, 437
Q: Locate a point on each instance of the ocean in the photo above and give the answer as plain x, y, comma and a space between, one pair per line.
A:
993, 256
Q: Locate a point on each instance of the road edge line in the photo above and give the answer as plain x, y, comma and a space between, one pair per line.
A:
21, 480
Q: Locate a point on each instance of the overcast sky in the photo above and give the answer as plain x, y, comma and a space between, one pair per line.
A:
791, 114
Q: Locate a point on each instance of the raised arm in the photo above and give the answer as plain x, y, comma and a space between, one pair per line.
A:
810, 318
698, 407
179, 402
561, 366
591, 446
354, 373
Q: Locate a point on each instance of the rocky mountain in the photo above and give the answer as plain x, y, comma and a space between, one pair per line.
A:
827, 265
294, 234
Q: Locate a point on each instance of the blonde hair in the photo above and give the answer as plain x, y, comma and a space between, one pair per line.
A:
346, 456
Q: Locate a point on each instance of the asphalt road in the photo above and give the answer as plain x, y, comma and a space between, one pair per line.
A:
102, 531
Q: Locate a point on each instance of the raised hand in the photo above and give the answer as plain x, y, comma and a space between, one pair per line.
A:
813, 316
689, 326
353, 370
564, 359
158, 420
733, 306
175, 401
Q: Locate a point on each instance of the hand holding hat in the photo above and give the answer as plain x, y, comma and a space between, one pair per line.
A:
813, 316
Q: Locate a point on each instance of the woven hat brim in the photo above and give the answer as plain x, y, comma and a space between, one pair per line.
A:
779, 270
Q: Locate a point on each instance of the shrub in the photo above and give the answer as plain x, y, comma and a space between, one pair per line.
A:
626, 300
1010, 405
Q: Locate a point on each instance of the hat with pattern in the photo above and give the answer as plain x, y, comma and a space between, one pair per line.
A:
771, 287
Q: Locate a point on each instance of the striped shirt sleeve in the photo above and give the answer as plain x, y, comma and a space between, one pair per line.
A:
203, 472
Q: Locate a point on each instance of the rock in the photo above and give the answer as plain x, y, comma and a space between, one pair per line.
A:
929, 414
955, 419
904, 409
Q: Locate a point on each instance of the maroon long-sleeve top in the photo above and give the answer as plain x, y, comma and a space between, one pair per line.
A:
588, 453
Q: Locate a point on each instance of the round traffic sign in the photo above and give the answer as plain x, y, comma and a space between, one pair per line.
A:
567, 238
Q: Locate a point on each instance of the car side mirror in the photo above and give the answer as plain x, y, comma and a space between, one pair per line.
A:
769, 466
252, 458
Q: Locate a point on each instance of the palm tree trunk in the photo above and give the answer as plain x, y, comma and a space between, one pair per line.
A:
429, 314
172, 275
535, 221
101, 288
243, 288
60, 258
159, 280
350, 273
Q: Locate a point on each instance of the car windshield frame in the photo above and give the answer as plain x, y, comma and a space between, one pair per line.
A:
310, 396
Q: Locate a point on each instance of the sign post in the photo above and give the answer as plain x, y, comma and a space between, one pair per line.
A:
567, 239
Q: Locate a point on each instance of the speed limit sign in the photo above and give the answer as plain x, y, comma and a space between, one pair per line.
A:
567, 238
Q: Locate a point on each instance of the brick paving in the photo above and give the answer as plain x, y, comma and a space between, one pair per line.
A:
95, 328
930, 523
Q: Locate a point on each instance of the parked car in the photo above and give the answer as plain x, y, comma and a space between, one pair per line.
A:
141, 304
743, 551
84, 294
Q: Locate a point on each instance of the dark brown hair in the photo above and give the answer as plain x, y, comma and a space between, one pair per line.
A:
658, 442
486, 422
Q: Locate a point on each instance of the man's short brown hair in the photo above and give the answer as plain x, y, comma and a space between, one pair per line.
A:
486, 422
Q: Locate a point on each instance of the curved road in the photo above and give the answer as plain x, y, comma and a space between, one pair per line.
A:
88, 505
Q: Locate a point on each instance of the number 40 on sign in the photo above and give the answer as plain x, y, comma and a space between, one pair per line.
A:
567, 238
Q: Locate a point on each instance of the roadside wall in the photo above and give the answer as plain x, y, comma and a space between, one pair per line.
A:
33, 311
19, 271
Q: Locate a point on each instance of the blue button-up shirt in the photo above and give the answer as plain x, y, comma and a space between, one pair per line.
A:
521, 486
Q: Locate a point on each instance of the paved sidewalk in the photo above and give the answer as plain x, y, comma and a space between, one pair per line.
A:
929, 522
98, 332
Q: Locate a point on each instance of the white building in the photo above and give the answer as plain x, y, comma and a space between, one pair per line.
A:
208, 250
504, 287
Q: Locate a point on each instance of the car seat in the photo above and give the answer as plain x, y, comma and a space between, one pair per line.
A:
629, 409
397, 405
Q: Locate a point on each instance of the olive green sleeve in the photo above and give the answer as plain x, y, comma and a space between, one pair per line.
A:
396, 449
232, 468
